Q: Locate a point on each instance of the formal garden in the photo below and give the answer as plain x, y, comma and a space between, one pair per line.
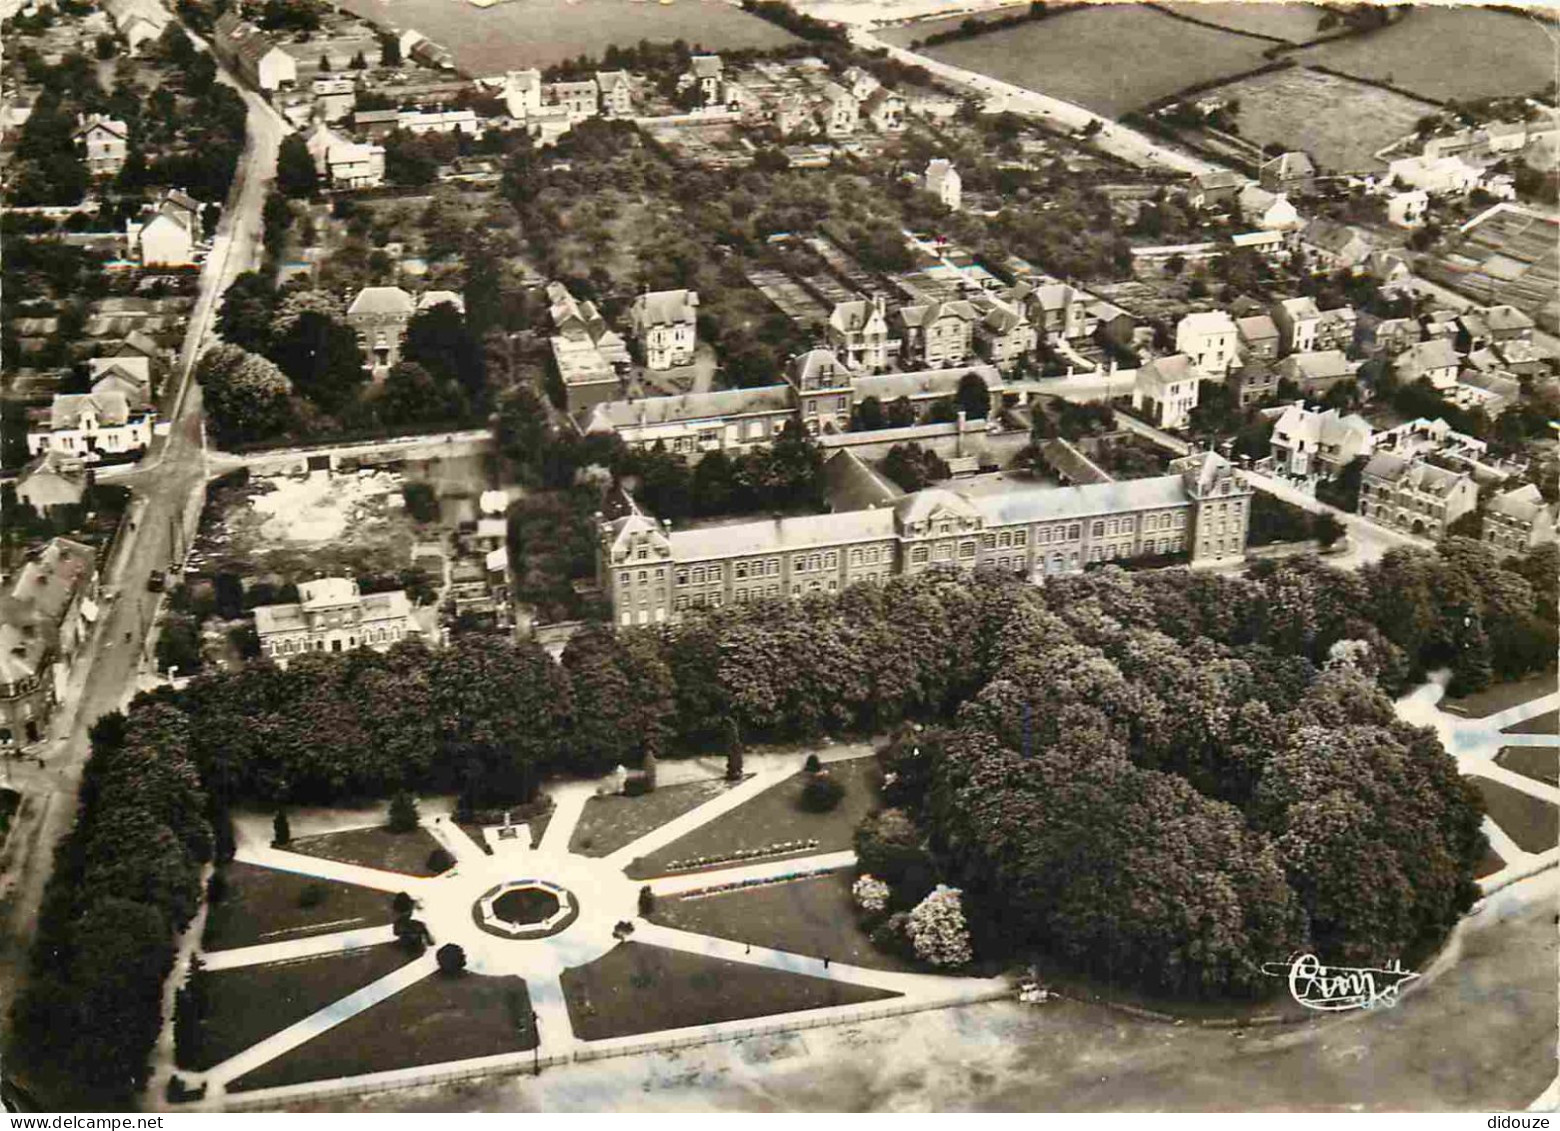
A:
790, 813
334, 952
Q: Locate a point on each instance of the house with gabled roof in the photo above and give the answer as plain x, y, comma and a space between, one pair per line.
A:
1436, 360
89, 425
53, 479
937, 334
1414, 496
1004, 335
616, 93
1310, 442
1334, 246
1208, 339
858, 333
942, 180
249, 51
1519, 520
841, 110
1316, 371
1291, 173
706, 72
886, 110
1214, 189
106, 144
1165, 390
664, 325
380, 316
823, 390
131, 376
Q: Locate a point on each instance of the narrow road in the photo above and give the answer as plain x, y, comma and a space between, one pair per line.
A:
1113, 138
163, 485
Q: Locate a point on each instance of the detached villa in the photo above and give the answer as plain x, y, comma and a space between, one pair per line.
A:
332, 615
664, 324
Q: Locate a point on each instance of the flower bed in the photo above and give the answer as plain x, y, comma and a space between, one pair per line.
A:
780, 848
763, 881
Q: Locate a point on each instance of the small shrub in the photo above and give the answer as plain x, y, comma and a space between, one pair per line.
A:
812, 765
635, 785
312, 895
281, 830
871, 894
401, 904
451, 959
646, 901
821, 794
403, 813
440, 860
891, 938
937, 928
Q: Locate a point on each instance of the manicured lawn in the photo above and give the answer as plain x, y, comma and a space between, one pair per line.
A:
436, 1020
250, 1003
609, 823
373, 848
1500, 696
1547, 723
635, 988
815, 917
263, 905
1112, 58
774, 817
1448, 51
1533, 823
1541, 763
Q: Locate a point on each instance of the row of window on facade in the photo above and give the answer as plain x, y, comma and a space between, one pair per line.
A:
295, 647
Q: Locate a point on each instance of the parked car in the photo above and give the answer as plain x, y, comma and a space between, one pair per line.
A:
156, 581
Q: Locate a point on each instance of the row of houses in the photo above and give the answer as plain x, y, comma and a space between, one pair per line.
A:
46, 615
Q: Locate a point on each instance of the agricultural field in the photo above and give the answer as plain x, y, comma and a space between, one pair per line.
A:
1112, 59
1294, 23
1449, 52
541, 33
1511, 256
1338, 122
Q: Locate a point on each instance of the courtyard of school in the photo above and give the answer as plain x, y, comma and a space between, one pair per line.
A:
310, 999
307, 992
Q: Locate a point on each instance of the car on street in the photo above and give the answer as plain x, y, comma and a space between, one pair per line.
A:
156, 580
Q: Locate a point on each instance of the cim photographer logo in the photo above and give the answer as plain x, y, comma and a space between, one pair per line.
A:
1337, 988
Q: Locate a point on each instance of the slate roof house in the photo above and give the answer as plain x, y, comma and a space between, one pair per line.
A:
664, 325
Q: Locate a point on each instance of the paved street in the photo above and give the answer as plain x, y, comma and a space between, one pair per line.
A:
105, 671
